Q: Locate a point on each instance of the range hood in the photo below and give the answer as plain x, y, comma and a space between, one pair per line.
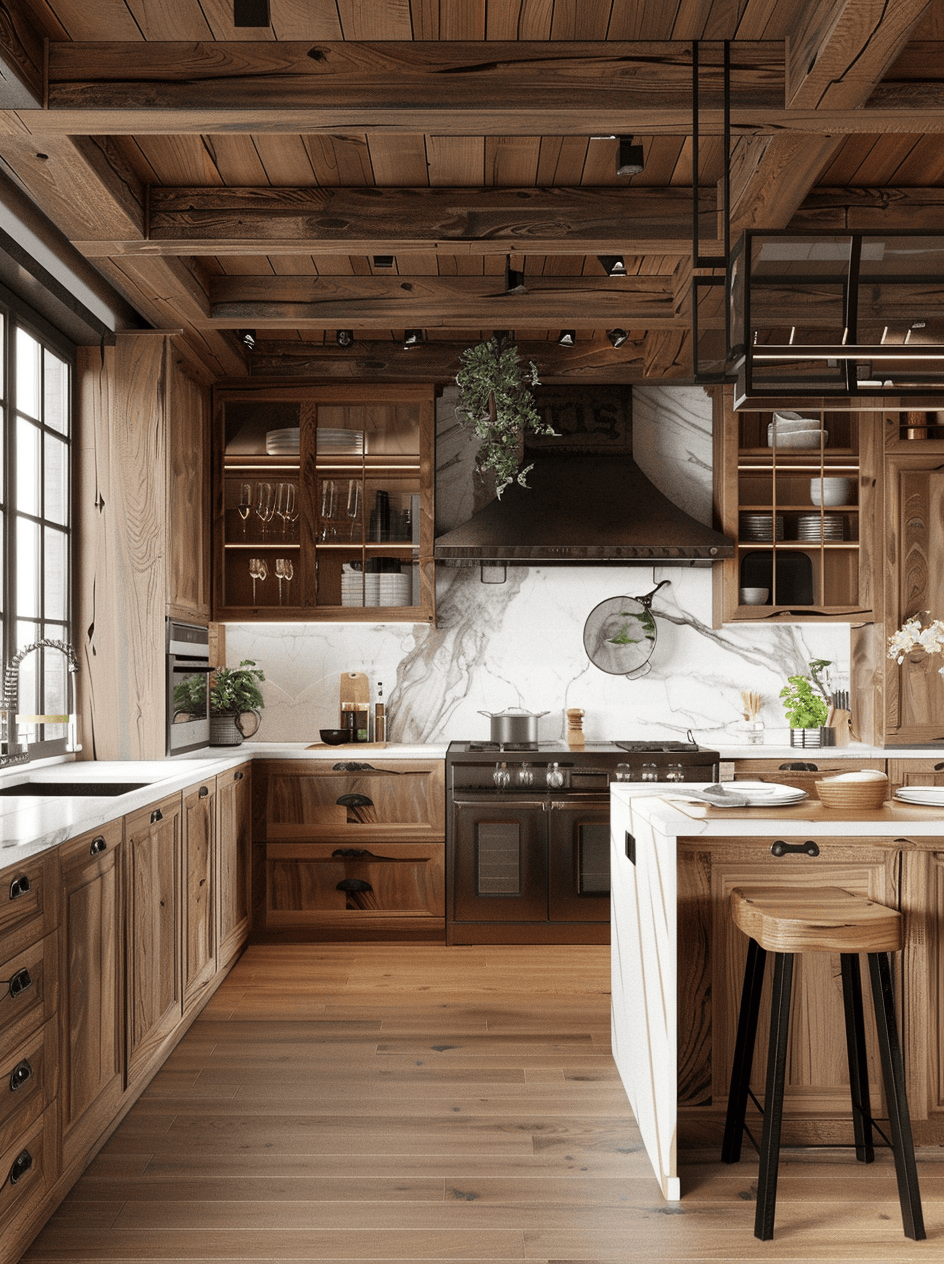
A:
582, 506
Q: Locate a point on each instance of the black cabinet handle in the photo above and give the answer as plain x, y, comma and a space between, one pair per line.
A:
19, 886
630, 848
21, 1165
938, 767
20, 982
20, 1074
238, 776
98, 845
204, 791
354, 801
156, 815
780, 848
353, 884
799, 767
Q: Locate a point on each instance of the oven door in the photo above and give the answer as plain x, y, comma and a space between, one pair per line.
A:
188, 704
578, 888
498, 866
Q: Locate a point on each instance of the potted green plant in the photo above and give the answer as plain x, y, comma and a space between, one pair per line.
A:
496, 403
806, 702
234, 692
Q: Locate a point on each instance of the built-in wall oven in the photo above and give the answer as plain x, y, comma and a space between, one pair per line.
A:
188, 687
528, 835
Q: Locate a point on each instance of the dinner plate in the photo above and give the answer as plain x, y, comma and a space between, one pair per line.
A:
929, 796
764, 794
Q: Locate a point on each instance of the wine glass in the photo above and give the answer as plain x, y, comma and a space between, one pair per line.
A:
284, 570
352, 504
329, 505
265, 505
257, 571
285, 504
244, 505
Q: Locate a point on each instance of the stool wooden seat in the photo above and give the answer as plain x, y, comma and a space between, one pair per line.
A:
788, 920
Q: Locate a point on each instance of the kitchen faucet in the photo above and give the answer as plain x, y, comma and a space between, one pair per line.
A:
12, 751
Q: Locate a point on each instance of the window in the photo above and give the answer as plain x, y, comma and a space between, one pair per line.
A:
36, 371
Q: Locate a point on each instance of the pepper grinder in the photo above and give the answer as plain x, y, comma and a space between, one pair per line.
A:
575, 737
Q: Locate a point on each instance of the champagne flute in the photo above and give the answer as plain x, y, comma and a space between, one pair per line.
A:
244, 505
257, 571
288, 574
352, 506
285, 504
329, 501
265, 505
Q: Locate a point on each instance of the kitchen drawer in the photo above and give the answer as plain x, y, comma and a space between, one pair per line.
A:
815, 766
28, 1080
27, 903
323, 801
28, 1170
29, 991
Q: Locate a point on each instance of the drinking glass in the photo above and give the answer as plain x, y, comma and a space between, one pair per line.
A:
285, 505
329, 507
265, 505
352, 504
244, 505
257, 571
283, 570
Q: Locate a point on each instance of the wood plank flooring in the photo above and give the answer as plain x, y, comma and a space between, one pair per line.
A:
423, 1103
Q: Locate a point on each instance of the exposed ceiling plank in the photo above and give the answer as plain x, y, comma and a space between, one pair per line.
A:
832, 210
450, 221
21, 59
433, 302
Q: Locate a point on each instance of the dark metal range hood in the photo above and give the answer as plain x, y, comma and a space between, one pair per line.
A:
582, 507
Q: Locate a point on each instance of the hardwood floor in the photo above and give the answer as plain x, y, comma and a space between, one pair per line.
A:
422, 1103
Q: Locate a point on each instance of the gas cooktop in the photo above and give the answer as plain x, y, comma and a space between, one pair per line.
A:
667, 747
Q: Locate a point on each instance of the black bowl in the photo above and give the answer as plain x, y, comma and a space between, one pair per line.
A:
334, 737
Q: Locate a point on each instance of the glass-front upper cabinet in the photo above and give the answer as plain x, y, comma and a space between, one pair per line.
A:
324, 503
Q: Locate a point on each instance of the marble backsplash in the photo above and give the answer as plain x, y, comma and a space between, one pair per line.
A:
520, 643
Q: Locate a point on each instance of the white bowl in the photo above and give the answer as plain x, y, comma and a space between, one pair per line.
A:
783, 422
831, 491
797, 438
753, 596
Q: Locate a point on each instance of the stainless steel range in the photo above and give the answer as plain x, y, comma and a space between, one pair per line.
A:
528, 834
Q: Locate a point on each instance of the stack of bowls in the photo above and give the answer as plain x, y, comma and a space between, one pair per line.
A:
790, 430
831, 491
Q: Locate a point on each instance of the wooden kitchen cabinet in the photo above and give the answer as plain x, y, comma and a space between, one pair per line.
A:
348, 850
234, 858
356, 463
711, 956
198, 866
91, 962
154, 985
813, 559
916, 772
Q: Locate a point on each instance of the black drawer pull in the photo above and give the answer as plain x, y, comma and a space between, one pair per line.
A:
204, 791
630, 848
351, 765
20, 982
21, 1165
238, 776
353, 884
98, 845
799, 767
19, 886
354, 801
939, 767
781, 848
20, 1074
156, 815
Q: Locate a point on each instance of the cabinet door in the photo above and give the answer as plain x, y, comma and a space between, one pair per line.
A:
188, 494
916, 772
199, 874
234, 852
711, 956
154, 942
91, 1005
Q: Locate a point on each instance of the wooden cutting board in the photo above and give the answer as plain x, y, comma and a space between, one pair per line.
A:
355, 687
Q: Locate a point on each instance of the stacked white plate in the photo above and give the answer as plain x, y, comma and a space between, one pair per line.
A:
766, 794
790, 430
340, 442
761, 526
394, 590
922, 796
814, 527
282, 442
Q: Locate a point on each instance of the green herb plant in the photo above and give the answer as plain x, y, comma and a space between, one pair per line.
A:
236, 689
805, 708
496, 404
647, 626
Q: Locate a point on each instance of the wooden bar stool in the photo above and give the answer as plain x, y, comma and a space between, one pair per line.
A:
785, 921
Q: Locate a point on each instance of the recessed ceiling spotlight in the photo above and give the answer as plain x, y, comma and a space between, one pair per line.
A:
413, 338
345, 337
568, 338
383, 261
248, 338
630, 159
613, 265
617, 336
514, 279
250, 12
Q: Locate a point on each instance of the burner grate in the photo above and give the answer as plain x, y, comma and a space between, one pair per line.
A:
656, 747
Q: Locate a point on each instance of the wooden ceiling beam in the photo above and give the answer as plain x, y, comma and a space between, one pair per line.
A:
21, 59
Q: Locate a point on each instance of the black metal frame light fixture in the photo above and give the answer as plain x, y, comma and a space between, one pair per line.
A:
617, 336
514, 279
344, 337
413, 338
568, 338
248, 338
613, 265
630, 157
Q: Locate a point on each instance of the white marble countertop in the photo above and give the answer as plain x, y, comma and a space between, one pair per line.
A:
855, 750
673, 818
30, 824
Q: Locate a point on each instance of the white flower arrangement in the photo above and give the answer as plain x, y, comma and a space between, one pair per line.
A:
912, 636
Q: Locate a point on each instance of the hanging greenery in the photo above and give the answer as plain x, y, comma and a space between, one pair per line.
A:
495, 402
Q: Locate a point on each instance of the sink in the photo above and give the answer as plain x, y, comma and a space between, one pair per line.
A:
73, 789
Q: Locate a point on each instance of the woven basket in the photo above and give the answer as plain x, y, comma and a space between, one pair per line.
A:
853, 796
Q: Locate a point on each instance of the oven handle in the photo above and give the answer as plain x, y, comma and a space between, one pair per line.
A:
190, 665
499, 800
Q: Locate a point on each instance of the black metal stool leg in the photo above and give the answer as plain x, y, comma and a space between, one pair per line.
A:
773, 1097
855, 1051
743, 1052
899, 1118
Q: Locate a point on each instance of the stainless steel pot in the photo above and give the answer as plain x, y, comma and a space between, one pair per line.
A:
514, 726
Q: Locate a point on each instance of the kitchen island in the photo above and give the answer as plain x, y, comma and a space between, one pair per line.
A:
677, 963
